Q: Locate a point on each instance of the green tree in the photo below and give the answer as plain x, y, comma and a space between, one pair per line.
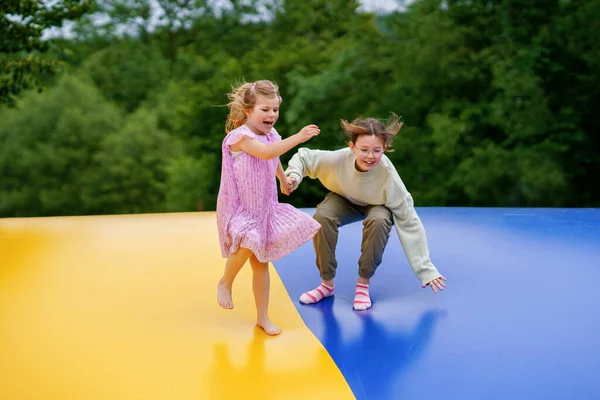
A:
47, 148
128, 72
498, 100
130, 168
22, 25
191, 184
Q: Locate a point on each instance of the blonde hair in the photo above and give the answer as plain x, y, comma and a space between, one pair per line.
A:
371, 126
243, 98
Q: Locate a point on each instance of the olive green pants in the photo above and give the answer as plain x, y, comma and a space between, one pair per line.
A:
334, 212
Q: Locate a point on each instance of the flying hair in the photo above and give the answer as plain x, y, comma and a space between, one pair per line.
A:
243, 98
373, 127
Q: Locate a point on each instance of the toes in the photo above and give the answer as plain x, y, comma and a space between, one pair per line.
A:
305, 300
224, 298
272, 331
269, 329
361, 306
225, 303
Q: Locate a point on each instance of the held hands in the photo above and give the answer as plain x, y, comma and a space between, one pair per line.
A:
287, 185
308, 132
436, 282
291, 183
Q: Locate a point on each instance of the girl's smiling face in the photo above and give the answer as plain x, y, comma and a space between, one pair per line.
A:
368, 150
264, 114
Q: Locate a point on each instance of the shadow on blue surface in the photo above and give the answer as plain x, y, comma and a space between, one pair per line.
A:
521, 313
373, 360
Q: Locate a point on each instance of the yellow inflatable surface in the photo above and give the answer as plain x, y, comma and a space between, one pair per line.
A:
124, 307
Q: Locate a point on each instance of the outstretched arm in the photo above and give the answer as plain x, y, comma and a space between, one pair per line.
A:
273, 150
412, 237
307, 162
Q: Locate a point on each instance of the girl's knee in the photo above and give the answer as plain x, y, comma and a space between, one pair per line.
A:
258, 265
260, 271
242, 251
326, 217
379, 220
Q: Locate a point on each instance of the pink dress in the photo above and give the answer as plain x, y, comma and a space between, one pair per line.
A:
248, 211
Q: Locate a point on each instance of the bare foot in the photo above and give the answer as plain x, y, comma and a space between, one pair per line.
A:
268, 327
224, 296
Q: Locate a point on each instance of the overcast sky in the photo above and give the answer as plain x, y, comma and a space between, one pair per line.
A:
380, 5
369, 5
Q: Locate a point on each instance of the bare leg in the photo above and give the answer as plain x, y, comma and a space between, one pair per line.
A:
261, 282
234, 264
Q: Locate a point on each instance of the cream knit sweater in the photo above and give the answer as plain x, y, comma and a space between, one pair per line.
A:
380, 186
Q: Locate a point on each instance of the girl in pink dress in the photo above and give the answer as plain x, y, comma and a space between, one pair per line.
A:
252, 224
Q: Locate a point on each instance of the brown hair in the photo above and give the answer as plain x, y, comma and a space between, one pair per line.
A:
371, 126
243, 98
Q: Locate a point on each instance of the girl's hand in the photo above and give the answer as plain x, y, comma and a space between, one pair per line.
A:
308, 132
436, 282
285, 186
291, 183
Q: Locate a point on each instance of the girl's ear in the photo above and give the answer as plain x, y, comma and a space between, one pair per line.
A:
351, 145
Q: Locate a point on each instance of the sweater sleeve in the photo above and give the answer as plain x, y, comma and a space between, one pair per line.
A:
306, 162
410, 231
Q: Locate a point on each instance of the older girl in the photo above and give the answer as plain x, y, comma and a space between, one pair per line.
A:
364, 185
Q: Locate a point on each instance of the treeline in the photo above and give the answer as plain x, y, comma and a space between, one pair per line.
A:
497, 100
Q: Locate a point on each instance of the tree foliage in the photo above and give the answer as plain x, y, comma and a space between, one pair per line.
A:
498, 100
22, 24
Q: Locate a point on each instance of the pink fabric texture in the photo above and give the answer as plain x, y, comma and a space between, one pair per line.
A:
248, 211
